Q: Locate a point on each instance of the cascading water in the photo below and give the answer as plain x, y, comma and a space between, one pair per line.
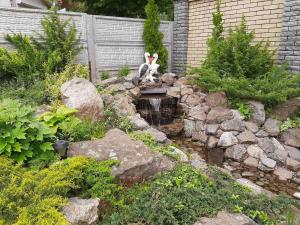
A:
155, 102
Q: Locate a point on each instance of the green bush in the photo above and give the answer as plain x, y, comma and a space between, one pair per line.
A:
22, 136
183, 195
29, 197
153, 38
243, 69
104, 75
124, 71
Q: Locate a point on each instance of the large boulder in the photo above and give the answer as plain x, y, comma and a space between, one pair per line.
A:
291, 137
219, 115
236, 152
82, 95
138, 122
198, 113
137, 161
258, 112
81, 211
225, 218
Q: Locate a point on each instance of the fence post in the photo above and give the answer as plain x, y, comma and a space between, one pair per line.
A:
91, 48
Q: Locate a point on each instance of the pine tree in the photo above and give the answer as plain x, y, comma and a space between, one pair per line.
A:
153, 38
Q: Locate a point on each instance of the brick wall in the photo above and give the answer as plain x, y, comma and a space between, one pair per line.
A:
290, 36
180, 33
263, 16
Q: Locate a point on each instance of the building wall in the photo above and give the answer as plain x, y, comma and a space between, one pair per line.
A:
5, 3
290, 36
180, 33
263, 16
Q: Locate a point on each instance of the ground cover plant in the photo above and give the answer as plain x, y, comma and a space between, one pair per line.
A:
29, 196
244, 68
184, 194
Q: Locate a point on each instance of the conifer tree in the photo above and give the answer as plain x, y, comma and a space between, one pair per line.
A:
153, 38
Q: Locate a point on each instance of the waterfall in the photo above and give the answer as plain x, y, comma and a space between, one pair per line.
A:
155, 102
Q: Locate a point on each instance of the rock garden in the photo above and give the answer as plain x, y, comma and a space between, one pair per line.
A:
219, 145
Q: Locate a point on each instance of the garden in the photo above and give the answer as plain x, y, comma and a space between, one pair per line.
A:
75, 152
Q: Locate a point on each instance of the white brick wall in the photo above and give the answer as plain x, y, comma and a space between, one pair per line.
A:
5, 3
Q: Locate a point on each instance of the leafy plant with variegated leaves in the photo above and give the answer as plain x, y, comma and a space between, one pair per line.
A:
22, 136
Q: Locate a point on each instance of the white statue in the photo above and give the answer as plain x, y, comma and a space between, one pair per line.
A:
149, 68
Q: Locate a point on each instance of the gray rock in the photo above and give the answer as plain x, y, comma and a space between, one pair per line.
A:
212, 142
266, 164
135, 92
218, 115
216, 99
197, 162
296, 195
254, 151
258, 112
293, 164
272, 127
128, 85
251, 126
212, 128
294, 153
199, 136
257, 190
236, 152
287, 109
123, 105
81, 211
237, 114
233, 125
82, 95
193, 100
291, 137
261, 134
247, 137
109, 81
198, 113
225, 218
227, 139
180, 155
266, 144
200, 126
189, 127
138, 123
283, 174
186, 90
174, 92
168, 78
107, 99
116, 88
280, 154
136, 159
251, 162
157, 135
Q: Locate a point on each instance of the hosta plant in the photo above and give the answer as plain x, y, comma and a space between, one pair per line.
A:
22, 136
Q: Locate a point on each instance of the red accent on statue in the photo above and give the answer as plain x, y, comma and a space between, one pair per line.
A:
150, 59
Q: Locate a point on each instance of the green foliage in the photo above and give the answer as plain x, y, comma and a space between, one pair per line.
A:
153, 38
22, 136
272, 88
124, 71
243, 108
290, 123
244, 69
132, 8
183, 195
152, 144
236, 55
104, 75
29, 197
54, 81
115, 121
